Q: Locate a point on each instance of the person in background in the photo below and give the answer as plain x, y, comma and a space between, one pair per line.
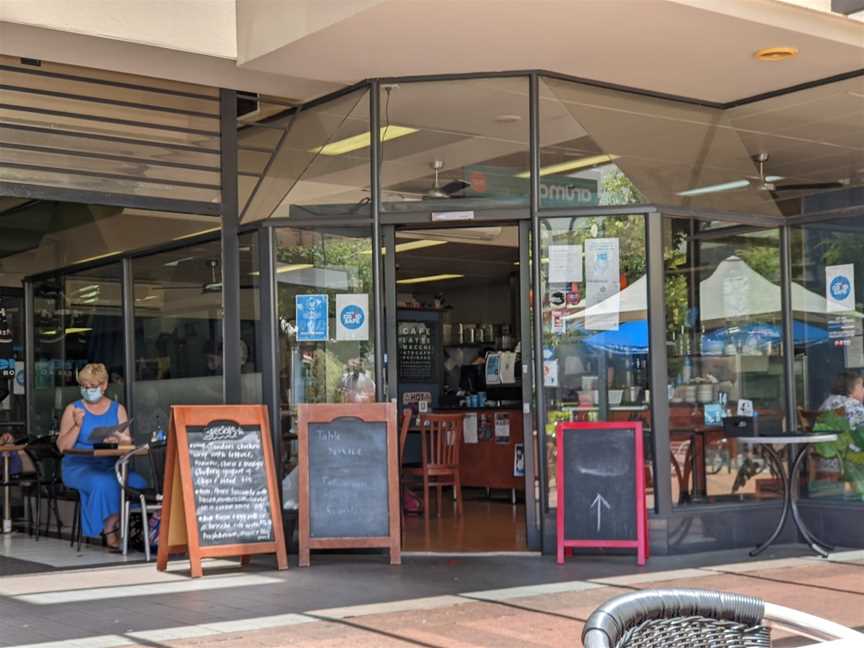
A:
14, 461
847, 392
93, 477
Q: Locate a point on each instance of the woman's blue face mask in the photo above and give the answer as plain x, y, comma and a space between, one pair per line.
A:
91, 394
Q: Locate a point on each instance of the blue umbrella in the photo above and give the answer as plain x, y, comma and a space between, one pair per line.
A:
630, 338
762, 333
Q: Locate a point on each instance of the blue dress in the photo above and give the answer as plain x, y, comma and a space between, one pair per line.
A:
94, 477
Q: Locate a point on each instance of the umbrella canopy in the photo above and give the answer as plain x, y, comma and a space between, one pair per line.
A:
759, 334
630, 338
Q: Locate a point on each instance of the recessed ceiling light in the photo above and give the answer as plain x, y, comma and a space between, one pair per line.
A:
508, 119
572, 165
363, 140
438, 277
775, 53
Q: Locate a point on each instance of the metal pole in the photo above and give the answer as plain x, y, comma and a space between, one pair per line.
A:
534, 195
269, 359
29, 356
788, 339
128, 291
658, 365
231, 365
375, 192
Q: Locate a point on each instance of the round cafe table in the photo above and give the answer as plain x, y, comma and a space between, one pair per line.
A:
790, 482
6, 451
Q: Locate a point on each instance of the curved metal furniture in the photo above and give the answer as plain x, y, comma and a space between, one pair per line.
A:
790, 484
690, 617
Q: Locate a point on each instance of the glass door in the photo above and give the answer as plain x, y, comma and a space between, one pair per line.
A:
594, 295
325, 317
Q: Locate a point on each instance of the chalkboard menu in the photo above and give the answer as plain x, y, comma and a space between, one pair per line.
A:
348, 479
229, 481
220, 495
601, 489
414, 343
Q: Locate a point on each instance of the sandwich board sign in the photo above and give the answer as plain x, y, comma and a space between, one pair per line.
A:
220, 495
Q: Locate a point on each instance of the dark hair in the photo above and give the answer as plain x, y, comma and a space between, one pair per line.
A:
846, 381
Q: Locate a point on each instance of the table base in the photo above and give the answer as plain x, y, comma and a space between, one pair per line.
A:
790, 503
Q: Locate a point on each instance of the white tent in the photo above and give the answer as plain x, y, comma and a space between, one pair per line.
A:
734, 290
630, 304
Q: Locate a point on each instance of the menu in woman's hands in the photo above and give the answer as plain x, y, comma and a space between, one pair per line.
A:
99, 434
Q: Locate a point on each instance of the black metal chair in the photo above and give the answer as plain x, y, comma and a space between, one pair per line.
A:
685, 618
40, 478
150, 460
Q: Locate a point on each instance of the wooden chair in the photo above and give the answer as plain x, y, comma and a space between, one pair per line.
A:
403, 438
440, 442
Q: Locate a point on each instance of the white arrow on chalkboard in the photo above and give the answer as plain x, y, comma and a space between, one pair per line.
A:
600, 502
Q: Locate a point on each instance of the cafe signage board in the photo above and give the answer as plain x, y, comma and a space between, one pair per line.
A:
348, 478
220, 495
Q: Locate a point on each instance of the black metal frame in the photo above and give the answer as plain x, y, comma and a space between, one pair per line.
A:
231, 227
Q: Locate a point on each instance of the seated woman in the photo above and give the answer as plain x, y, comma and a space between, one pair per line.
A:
847, 392
94, 477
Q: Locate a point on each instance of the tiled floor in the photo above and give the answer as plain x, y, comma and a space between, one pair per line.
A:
149, 610
51, 552
340, 597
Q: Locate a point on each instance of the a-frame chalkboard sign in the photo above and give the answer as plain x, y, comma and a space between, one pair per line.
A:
601, 488
219, 495
349, 478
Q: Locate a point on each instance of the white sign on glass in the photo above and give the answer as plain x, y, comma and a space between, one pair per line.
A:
603, 283
840, 287
352, 316
565, 263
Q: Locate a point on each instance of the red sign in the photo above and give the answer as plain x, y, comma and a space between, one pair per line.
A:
601, 488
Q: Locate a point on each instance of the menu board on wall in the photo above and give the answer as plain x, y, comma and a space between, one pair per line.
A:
219, 495
414, 343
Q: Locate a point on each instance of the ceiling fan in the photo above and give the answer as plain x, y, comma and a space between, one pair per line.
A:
212, 286
764, 182
449, 190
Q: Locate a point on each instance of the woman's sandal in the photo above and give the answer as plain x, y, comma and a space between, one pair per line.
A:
115, 546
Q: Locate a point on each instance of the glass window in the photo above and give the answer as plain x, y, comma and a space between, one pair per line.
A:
43, 235
326, 318
724, 331
78, 319
828, 302
178, 332
12, 394
250, 318
459, 144
787, 155
595, 326
311, 162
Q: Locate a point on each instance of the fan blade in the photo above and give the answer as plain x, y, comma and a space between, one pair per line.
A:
809, 186
454, 186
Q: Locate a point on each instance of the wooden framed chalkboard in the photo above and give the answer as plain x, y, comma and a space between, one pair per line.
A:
220, 494
601, 487
348, 479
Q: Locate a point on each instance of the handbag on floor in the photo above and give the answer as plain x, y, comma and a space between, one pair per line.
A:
411, 503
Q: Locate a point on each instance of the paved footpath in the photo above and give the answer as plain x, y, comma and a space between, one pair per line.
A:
544, 614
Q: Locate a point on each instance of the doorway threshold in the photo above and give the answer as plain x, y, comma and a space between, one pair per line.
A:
471, 554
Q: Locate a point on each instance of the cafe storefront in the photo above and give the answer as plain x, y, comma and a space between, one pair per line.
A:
626, 256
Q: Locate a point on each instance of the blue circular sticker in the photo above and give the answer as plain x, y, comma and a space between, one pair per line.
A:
353, 317
840, 288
